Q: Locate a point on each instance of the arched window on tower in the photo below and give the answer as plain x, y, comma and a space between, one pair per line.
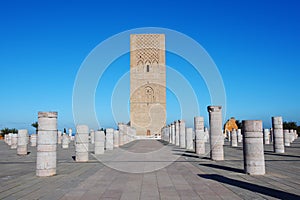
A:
147, 66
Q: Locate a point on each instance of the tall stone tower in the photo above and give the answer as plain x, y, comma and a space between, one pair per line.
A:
147, 83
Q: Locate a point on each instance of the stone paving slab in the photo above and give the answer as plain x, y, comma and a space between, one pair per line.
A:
178, 174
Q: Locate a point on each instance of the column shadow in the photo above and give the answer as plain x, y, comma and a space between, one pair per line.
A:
224, 168
251, 187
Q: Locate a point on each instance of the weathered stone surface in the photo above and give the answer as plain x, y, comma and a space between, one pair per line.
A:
176, 132
173, 133
65, 141
92, 136
239, 135
22, 142
266, 136
216, 135
189, 139
116, 138
14, 141
33, 140
59, 137
147, 83
278, 141
99, 142
182, 134
286, 137
234, 142
46, 144
82, 143
109, 141
254, 160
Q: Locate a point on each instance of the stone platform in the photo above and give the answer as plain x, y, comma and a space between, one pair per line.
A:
179, 174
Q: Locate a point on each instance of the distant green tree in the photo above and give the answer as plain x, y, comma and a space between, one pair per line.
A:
291, 125
35, 125
65, 131
8, 130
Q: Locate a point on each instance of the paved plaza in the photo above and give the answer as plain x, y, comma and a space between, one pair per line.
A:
179, 174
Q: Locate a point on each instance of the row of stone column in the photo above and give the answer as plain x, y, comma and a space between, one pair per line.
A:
178, 134
18, 141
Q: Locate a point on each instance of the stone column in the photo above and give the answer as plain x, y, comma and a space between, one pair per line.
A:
234, 142
116, 138
33, 139
22, 142
206, 134
278, 142
182, 140
70, 132
82, 143
189, 138
173, 133
286, 137
65, 141
271, 135
239, 135
109, 142
253, 148
9, 136
176, 133
14, 141
266, 136
121, 138
46, 144
216, 135
228, 134
92, 136
200, 135
59, 137
99, 142
292, 136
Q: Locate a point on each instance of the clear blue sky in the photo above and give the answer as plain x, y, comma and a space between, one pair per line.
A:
255, 45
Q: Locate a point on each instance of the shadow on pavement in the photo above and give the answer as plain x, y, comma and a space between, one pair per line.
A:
251, 187
223, 168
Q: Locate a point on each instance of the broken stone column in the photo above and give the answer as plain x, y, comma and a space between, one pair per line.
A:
65, 141
271, 135
200, 135
116, 138
99, 142
206, 134
109, 142
234, 142
14, 141
176, 133
239, 135
286, 137
22, 142
170, 133
278, 141
253, 148
33, 139
292, 136
182, 140
82, 143
59, 137
266, 136
9, 136
70, 132
173, 133
46, 144
121, 142
92, 134
216, 135
189, 139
